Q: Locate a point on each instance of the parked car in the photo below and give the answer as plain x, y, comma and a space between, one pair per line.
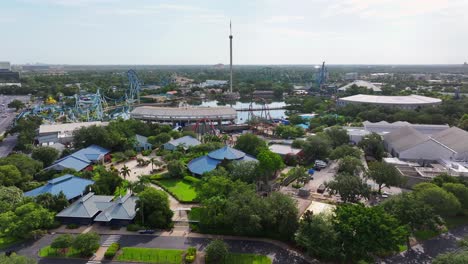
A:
320, 164
146, 231
321, 188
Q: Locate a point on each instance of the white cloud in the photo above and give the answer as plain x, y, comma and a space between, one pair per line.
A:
392, 9
284, 19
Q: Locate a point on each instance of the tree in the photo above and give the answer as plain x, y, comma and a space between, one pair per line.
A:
216, 252
160, 139
385, 175
105, 182
246, 171
356, 226
16, 259
350, 165
281, 217
86, 243
452, 258
459, 190
443, 202
289, 132
153, 209
10, 198
220, 186
318, 237
412, 212
62, 242
316, 147
300, 174
11, 176
25, 165
175, 168
372, 145
250, 144
16, 104
343, 151
337, 136
269, 163
46, 155
25, 220
125, 171
55, 203
349, 186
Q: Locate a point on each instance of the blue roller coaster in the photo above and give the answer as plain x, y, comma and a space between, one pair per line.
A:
91, 106
322, 75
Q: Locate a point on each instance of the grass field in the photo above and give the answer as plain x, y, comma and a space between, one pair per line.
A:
247, 259
151, 255
48, 252
184, 191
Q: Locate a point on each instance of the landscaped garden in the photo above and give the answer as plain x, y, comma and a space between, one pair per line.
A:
235, 258
151, 255
182, 189
49, 252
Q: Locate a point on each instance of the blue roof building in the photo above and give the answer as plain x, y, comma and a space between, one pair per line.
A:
142, 143
209, 162
80, 159
70, 185
186, 141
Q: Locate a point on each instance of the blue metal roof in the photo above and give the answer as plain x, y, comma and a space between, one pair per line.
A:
80, 159
202, 164
226, 153
210, 162
70, 185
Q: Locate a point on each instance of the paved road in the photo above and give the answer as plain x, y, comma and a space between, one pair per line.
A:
7, 145
429, 249
278, 254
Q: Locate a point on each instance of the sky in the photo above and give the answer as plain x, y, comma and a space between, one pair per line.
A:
162, 32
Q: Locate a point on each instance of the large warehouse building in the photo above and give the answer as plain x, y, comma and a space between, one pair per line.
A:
407, 143
403, 102
184, 115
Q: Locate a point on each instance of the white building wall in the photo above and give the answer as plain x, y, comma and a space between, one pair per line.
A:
428, 150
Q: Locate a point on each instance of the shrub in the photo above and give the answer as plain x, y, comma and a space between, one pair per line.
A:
119, 156
134, 227
72, 226
146, 152
191, 254
112, 250
130, 153
191, 179
216, 252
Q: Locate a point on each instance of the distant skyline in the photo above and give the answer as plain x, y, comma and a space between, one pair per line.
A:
265, 31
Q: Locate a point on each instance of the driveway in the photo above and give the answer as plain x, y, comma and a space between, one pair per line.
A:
7, 145
426, 251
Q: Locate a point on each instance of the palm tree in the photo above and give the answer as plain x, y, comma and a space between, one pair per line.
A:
125, 171
153, 162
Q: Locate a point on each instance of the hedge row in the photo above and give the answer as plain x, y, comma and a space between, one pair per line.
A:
112, 250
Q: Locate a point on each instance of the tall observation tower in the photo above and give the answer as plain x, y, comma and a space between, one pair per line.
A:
230, 49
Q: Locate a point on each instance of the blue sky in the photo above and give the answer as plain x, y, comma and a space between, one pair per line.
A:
265, 31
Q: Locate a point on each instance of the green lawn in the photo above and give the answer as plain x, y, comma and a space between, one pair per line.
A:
151, 255
48, 252
7, 241
184, 191
234, 258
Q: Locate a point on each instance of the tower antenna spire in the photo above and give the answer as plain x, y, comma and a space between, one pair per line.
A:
230, 53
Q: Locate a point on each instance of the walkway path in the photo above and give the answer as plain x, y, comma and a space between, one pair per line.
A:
427, 250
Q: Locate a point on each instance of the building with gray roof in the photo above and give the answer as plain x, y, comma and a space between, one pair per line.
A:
360, 83
404, 102
184, 115
100, 208
407, 143
186, 141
